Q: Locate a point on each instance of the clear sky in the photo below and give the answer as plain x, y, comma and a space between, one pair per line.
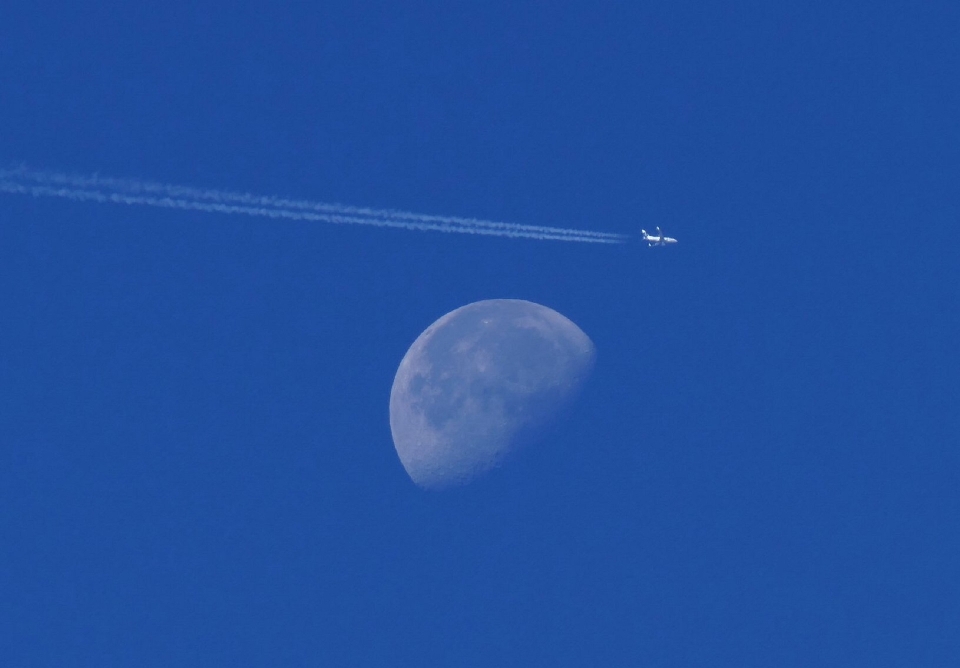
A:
195, 457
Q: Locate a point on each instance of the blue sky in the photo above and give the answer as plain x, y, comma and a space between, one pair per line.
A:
195, 456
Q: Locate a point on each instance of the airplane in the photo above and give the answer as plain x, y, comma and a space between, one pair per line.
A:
658, 240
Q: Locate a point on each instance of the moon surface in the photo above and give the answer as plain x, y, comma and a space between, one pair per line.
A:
478, 383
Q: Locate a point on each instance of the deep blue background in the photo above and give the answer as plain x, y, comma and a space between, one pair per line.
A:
195, 459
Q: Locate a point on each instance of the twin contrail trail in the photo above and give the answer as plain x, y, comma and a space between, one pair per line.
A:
145, 193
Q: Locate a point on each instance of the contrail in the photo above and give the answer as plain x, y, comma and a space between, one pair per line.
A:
145, 193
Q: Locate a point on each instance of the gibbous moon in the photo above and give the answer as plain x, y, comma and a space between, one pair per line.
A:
477, 384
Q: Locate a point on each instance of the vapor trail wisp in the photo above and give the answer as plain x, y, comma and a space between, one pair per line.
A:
145, 193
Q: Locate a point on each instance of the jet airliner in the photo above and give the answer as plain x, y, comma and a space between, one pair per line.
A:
658, 239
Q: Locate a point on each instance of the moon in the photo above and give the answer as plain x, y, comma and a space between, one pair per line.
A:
479, 383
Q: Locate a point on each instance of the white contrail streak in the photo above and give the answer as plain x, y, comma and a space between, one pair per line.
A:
144, 193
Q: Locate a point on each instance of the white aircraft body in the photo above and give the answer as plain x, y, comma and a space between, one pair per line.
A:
658, 239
